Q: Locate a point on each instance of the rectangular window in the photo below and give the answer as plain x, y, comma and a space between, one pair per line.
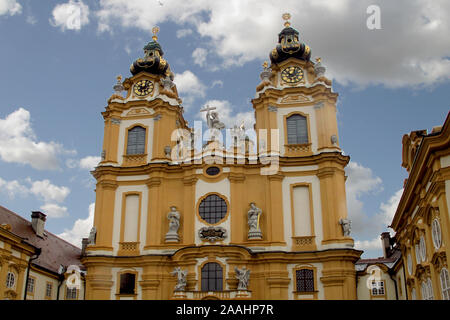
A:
30, 286
305, 280
127, 283
378, 288
48, 290
71, 293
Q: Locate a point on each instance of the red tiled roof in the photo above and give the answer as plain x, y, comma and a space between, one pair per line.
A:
55, 251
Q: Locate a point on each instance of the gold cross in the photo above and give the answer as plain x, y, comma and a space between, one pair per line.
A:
155, 30
286, 17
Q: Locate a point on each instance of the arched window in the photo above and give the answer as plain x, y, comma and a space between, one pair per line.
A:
417, 251
305, 280
212, 277
423, 249
436, 233
427, 290
212, 209
445, 284
297, 129
409, 263
10, 280
136, 140
413, 294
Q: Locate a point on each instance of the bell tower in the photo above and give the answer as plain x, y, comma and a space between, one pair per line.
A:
296, 103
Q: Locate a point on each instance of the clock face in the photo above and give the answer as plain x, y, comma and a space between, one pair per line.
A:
292, 75
143, 88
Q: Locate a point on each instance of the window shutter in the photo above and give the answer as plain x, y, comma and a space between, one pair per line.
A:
136, 141
297, 129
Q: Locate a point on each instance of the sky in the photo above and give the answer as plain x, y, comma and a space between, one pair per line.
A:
59, 60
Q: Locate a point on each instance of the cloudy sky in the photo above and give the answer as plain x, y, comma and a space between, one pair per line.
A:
59, 60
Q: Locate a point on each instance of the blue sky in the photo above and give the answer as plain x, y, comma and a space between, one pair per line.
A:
57, 74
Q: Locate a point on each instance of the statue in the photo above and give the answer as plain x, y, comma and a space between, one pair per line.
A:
212, 118
254, 216
243, 276
174, 224
181, 279
346, 226
92, 235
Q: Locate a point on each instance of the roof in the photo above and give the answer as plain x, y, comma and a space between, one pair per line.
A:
54, 250
389, 262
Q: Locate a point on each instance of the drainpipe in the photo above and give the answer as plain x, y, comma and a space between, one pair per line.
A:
404, 280
395, 285
38, 252
60, 280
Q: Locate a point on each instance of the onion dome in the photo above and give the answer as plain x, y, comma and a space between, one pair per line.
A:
289, 45
153, 61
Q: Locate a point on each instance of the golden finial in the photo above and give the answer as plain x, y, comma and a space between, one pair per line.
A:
318, 60
119, 78
155, 30
286, 17
265, 64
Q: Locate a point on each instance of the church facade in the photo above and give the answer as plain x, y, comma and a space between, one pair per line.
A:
260, 218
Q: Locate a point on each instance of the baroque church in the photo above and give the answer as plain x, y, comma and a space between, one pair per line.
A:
181, 215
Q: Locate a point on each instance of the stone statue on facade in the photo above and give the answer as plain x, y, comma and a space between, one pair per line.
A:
92, 235
254, 216
243, 275
174, 224
212, 118
181, 279
346, 225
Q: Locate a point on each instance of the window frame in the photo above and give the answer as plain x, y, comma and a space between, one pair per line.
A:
218, 280
10, 275
46, 295
445, 287
126, 141
203, 198
423, 248
71, 290
380, 289
436, 231
31, 283
308, 128
310, 277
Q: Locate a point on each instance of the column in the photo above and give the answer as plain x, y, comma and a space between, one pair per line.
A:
153, 213
239, 227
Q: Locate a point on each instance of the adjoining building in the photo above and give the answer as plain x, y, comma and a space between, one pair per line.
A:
382, 278
422, 219
34, 263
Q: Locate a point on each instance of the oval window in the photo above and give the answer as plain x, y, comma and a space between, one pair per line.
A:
212, 171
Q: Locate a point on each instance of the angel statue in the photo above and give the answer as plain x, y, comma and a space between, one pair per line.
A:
181, 279
243, 275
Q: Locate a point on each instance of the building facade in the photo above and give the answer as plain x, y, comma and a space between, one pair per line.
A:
34, 263
422, 220
179, 219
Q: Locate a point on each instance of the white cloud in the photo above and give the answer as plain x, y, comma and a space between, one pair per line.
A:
366, 229
183, 33
408, 51
10, 7
89, 163
72, 15
218, 83
360, 182
31, 19
18, 143
189, 87
80, 229
13, 188
374, 244
54, 210
199, 55
48, 191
